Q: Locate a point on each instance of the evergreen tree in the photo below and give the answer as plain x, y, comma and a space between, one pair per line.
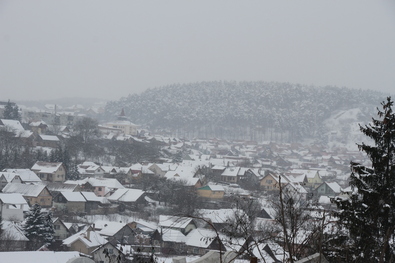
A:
11, 111
72, 172
38, 227
368, 216
49, 228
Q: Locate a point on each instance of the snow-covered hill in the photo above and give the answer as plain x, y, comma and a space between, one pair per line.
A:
248, 110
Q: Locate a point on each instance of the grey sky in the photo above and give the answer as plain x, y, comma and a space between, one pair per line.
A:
109, 49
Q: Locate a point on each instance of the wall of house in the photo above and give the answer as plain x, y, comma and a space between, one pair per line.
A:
210, 194
60, 231
11, 212
79, 246
99, 255
44, 199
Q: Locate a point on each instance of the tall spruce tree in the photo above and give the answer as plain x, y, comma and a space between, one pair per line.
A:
368, 215
38, 227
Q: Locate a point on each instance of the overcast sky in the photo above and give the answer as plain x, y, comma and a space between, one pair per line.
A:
109, 49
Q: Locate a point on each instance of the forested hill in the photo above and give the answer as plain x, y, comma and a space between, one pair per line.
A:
241, 110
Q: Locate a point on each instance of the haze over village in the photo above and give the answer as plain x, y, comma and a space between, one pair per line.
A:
193, 132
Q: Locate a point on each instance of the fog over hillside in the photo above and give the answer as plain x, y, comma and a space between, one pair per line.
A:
249, 110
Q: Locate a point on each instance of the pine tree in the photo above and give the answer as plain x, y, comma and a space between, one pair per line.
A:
368, 216
11, 112
38, 227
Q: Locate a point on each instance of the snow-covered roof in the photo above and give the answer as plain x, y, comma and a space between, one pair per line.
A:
92, 197
24, 189
174, 221
108, 228
46, 167
39, 256
200, 238
13, 232
26, 175
126, 195
73, 196
334, 186
171, 235
98, 182
94, 240
231, 171
12, 198
52, 138
217, 215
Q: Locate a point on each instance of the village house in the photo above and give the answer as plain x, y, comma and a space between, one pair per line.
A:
13, 238
52, 172
38, 127
132, 198
69, 202
200, 241
61, 230
26, 176
91, 169
12, 207
211, 191
6, 178
33, 194
85, 241
182, 224
328, 189
100, 186
108, 253
97, 204
51, 141
271, 182
230, 175
116, 232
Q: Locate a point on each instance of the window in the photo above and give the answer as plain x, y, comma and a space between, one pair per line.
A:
99, 189
110, 251
56, 227
269, 181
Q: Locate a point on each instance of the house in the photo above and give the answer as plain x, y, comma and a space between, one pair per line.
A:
12, 238
51, 141
26, 175
69, 202
328, 189
56, 188
219, 218
173, 241
38, 127
52, 172
12, 207
85, 241
108, 253
6, 178
200, 241
91, 169
61, 230
211, 191
100, 186
127, 127
129, 197
295, 190
116, 232
230, 175
33, 194
271, 182
97, 204
182, 224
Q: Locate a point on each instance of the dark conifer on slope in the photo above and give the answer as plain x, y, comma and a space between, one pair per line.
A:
38, 227
368, 216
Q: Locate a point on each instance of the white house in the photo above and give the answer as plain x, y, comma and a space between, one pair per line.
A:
12, 207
